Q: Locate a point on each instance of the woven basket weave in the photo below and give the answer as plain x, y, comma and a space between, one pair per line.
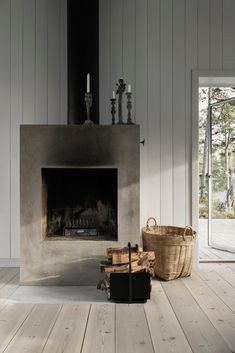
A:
173, 247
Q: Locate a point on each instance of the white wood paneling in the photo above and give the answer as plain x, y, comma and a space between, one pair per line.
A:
29, 71
63, 62
172, 38
5, 128
228, 34
154, 109
203, 18
116, 28
29, 61
191, 62
53, 61
166, 195
16, 120
129, 46
178, 124
141, 92
216, 32
155, 45
41, 94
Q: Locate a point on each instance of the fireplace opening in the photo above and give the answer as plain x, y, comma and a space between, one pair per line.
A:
79, 203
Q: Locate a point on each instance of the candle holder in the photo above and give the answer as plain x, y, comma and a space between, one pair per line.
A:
88, 100
113, 109
121, 86
129, 106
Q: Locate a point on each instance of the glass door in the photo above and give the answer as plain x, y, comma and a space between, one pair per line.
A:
221, 175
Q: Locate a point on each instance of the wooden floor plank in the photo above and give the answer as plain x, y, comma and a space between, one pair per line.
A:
68, 332
166, 332
33, 334
6, 274
217, 311
225, 272
209, 252
11, 319
132, 333
203, 254
9, 288
3, 303
100, 332
232, 266
219, 285
201, 334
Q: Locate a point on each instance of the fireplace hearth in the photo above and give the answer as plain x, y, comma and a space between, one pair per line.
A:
79, 195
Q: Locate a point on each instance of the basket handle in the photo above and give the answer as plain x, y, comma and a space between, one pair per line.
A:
150, 219
185, 231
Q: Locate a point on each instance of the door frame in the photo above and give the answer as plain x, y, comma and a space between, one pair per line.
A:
200, 78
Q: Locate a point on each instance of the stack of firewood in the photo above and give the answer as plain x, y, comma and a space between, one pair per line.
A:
118, 261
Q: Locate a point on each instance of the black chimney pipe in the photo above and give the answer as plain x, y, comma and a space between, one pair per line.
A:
83, 58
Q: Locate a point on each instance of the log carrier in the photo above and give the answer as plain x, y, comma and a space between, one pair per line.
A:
127, 274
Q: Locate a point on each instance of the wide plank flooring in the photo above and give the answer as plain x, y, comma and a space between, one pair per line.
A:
187, 315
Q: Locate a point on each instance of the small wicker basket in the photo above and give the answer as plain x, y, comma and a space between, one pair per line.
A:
173, 247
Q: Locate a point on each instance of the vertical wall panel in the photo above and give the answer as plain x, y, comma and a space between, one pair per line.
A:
5, 128
228, 34
104, 61
29, 61
116, 55
166, 113
183, 35
203, 34
23, 93
129, 47
141, 93
178, 100
154, 109
54, 61
191, 63
63, 63
216, 34
16, 120
41, 103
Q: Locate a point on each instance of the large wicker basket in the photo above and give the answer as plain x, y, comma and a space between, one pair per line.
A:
173, 247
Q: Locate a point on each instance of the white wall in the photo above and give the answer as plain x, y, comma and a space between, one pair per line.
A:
33, 90
154, 45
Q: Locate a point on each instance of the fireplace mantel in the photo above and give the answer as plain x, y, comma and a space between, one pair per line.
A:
74, 262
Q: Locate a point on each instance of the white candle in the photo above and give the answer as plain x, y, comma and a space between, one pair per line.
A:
88, 83
129, 88
114, 96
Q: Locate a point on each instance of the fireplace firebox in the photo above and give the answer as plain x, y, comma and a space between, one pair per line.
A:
79, 203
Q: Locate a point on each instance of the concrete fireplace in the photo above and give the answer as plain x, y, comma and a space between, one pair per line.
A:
79, 196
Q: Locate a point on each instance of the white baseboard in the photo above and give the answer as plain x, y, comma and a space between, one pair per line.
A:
9, 262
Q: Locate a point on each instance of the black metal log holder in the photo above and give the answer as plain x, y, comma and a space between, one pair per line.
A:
130, 287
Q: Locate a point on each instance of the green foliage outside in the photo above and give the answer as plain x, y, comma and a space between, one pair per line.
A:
223, 153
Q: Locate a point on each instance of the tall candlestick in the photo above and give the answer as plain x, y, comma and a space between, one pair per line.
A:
129, 106
121, 86
114, 95
88, 83
88, 100
129, 88
113, 109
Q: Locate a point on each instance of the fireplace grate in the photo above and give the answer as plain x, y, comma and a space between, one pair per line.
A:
80, 232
